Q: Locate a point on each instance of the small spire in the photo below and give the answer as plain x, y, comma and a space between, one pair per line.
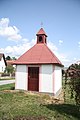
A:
41, 36
41, 24
41, 32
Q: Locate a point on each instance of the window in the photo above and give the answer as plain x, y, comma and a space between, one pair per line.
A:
40, 39
45, 40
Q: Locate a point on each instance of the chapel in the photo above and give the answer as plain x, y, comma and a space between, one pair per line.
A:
38, 69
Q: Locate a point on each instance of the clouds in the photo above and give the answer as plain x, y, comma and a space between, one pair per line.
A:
19, 49
79, 44
23, 44
10, 32
61, 56
52, 46
60, 42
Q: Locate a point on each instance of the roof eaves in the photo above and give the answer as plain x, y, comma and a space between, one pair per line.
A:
58, 61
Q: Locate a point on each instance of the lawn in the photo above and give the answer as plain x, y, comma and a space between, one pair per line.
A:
7, 87
21, 105
4, 78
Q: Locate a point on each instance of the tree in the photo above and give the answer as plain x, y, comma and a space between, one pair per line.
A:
13, 58
9, 69
74, 82
8, 58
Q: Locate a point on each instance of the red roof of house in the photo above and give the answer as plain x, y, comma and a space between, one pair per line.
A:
10, 62
38, 54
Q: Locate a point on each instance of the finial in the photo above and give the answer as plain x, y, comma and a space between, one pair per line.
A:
41, 24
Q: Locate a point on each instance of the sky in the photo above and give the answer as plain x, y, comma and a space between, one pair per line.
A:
20, 20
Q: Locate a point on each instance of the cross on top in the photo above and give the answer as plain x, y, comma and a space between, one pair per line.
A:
41, 24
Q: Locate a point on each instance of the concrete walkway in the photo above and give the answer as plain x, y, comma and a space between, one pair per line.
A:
4, 82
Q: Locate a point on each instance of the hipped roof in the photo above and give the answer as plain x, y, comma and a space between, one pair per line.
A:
38, 54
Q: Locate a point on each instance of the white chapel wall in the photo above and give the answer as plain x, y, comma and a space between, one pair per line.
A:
57, 79
46, 79
21, 77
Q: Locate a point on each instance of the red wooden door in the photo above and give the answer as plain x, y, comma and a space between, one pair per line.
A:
33, 78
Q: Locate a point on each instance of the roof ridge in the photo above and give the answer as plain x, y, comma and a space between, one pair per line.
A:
41, 52
53, 55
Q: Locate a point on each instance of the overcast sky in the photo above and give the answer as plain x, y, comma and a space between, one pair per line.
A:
20, 20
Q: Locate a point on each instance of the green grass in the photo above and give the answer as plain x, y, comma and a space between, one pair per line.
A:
7, 79
67, 93
6, 87
33, 106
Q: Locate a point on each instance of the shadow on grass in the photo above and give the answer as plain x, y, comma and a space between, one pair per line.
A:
66, 109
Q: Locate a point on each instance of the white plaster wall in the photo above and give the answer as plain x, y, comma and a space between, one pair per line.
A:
46, 79
57, 79
21, 77
2, 65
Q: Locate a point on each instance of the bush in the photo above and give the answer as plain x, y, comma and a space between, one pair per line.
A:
12, 88
5, 74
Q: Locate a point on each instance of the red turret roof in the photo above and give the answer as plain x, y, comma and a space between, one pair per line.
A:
41, 32
38, 54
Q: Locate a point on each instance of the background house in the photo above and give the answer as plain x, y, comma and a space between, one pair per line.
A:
39, 69
3, 63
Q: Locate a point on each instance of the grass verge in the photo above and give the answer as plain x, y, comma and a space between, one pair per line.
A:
7, 87
24, 106
7, 79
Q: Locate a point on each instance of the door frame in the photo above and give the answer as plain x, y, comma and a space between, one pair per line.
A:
38, 76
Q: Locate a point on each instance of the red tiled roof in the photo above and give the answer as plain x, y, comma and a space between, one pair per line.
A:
10, 62
41, 32
38, 54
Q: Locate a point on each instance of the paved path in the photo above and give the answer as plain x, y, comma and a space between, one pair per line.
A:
4, 82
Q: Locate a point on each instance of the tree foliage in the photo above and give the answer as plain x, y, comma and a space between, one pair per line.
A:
13, 58
8, 58
74, 82
9, 69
